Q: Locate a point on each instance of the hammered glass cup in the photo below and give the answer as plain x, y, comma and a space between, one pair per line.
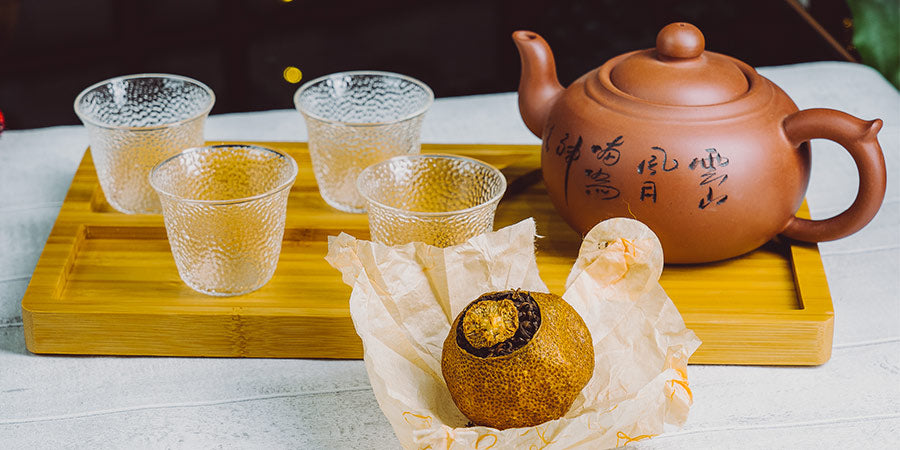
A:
441, 200
355, 119
224, 208
136, 121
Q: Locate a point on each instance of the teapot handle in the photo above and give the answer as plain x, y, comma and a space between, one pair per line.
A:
858, 137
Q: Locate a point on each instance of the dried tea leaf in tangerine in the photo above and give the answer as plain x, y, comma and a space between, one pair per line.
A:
489, 322
530, 377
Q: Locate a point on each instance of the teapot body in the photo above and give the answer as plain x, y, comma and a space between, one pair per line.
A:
712, 156
712, 182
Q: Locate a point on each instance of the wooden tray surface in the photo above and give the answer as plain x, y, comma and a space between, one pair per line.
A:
106, 282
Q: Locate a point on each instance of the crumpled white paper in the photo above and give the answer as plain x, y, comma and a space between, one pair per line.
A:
404, 299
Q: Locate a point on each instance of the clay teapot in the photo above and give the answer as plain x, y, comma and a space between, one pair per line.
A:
713, 157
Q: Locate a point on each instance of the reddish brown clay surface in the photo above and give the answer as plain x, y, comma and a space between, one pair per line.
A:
712, 156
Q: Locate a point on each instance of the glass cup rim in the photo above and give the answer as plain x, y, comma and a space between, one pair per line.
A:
286, 184
309, 84
493, 170
88, 120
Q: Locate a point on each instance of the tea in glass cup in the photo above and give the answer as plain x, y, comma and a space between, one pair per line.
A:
441, 200
355, 119
136, 121
224, 209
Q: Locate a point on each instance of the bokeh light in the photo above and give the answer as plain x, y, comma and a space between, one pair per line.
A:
292, 74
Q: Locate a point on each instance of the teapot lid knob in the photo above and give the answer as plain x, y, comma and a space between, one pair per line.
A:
680, 40
679, 72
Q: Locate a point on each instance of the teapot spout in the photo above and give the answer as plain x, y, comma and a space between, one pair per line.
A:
538, 86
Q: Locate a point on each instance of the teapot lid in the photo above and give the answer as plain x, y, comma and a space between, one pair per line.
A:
679, 72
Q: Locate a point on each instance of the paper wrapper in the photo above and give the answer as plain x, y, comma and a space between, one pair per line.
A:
405, 297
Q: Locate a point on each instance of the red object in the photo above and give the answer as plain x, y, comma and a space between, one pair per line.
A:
2, 122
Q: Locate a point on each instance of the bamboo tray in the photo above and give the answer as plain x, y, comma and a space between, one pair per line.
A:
106, 283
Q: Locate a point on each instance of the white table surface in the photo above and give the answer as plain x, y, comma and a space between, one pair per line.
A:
852, 401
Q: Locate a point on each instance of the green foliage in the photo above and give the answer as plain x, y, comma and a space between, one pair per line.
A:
876, 35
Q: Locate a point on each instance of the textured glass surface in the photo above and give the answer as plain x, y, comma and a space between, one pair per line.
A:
356, 119
133, 123
224, 208
437, 199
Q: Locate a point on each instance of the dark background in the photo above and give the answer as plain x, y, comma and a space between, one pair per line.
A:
52, 49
